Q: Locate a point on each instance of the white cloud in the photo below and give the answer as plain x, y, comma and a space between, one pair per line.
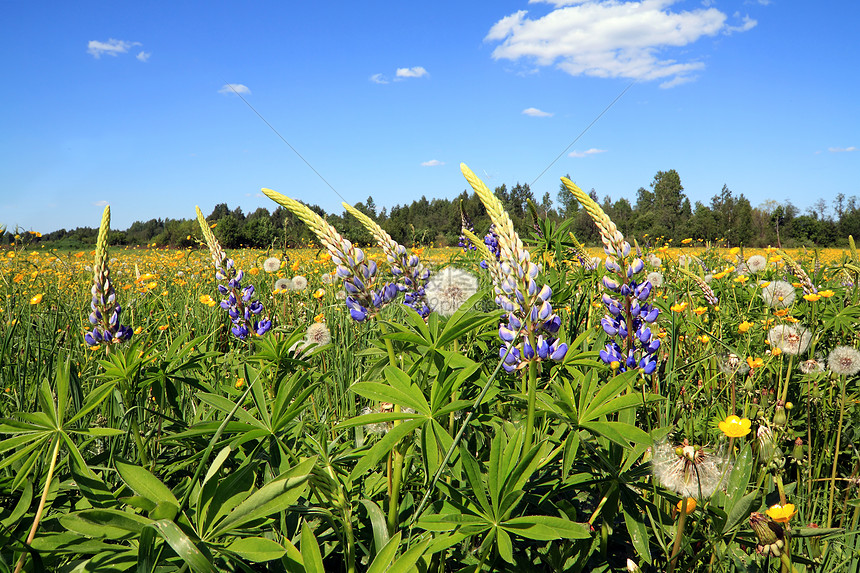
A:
747, 23
378, 79
610, 38
586, 153
415, 72
101, 203
432, 163
112, 47
535, 112
841, 149
143, 56
234, 89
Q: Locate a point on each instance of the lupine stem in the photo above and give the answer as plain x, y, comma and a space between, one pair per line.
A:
42, 501
532, 398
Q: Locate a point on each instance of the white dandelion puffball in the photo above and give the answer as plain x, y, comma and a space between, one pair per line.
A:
327, 279
448, 289
844, 360
733, 364
791, 340
318, 333
756, 263
655, 278
340, 295
688, 470
283, 284
778, 294
811, 366
300, 283
654, 260
272, 264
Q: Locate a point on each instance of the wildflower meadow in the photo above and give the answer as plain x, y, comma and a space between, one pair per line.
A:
517, 403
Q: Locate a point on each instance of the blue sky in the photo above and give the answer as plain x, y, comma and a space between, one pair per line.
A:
127, 103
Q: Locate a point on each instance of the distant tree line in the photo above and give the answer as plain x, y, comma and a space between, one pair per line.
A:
660, 211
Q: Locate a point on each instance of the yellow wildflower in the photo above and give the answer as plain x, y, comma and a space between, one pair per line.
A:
735, 427
754, 362
680, 307
826, 293
687, 241
37, 299
700, 310
691, 505
741, 279
319, 318
776, 351
744, 326
811, 297
781, 513
319, 293
734, 250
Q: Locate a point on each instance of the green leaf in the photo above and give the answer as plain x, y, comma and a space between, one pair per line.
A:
546, 528
385, 555
506, 547
384, 393
311, 551
377, 524
257, 549
271, 498
183, 546
21, 507
381, 448
638, 532
110, 523
145, 484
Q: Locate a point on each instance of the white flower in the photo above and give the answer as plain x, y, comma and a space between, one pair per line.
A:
283, 284
689, 471
790, 339
756, 263
844, 360
340, 295
272, 264
655, 260
778, 294
327, 279
655, 278
448, 289
300, 283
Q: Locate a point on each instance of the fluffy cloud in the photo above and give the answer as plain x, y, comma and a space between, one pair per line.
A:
841, 149
611, 38
112, 47
535, 112
143, 56
101, 203
378, 79
415, 72
586, 153
234, 89
432, 163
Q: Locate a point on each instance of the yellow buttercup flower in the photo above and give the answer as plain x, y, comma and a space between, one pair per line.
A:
680, 307
735, 427
319, 318
734, 250
700, 310
754, 362
781, 513
687, 241
319, 293
811, 297
741, 279
826, 293
744, 326
37, 299
691, 505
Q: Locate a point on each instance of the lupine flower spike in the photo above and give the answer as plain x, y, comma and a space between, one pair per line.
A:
633, 345
363, 297
795, 269
245, 313
406, 267
106, 310
528, 307
466, 243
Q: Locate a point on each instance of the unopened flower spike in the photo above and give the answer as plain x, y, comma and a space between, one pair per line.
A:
795, 269
527, 304
707, 291
405, 266
466, 243
105, 315
244, 311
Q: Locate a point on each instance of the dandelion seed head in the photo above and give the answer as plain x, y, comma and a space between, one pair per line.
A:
811, 366
447, 290
844, 360
655, 278
318, 333
300, 283
688, 470
272, 264
733, 364
756, 263
283, 284
340, 295
778, 294
789, 339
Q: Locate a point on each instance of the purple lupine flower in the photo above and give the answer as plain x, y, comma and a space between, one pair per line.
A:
629, 316
466, 223
491, 239
240, 305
